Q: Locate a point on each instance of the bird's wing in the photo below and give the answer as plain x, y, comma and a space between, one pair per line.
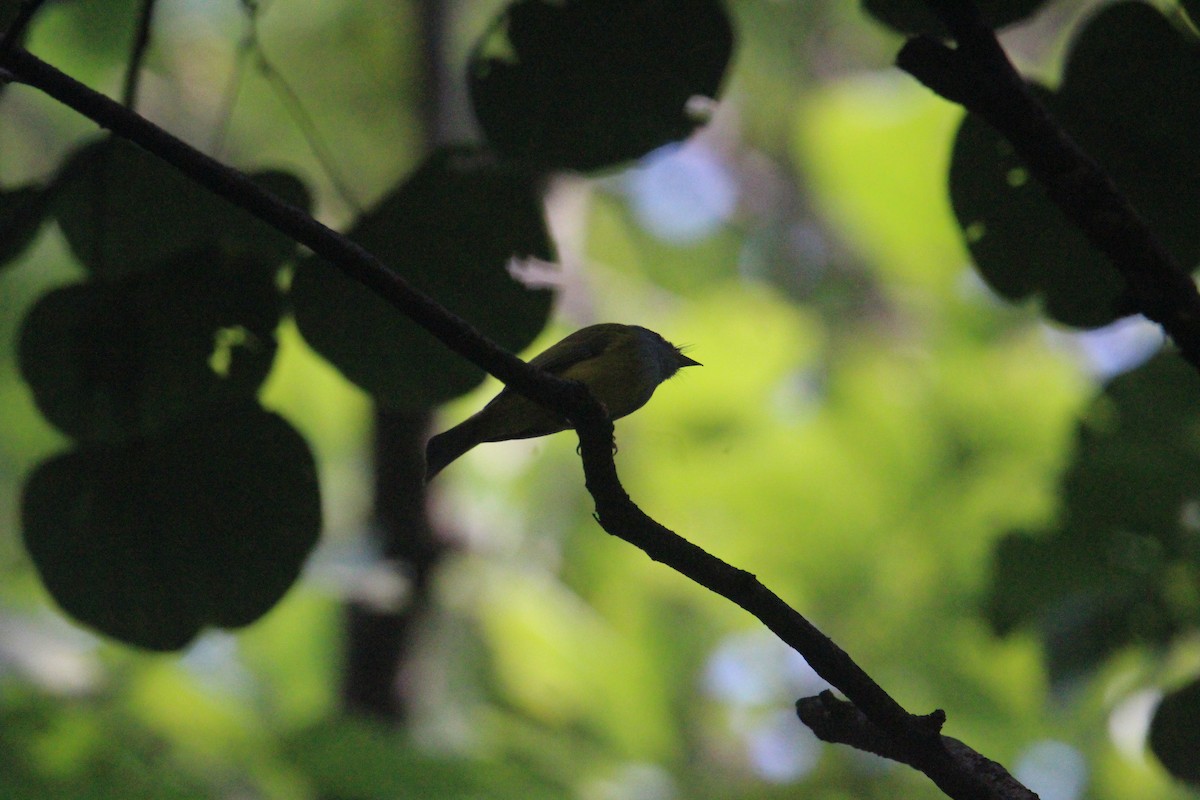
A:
579, 346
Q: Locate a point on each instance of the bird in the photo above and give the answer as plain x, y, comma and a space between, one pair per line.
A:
620, 364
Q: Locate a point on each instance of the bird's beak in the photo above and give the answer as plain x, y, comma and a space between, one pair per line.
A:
684, 361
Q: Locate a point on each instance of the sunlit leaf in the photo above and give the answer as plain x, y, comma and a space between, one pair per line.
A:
1174, 734
1129, 96
123, 211
113, 359
151, 541
96, 35
588, 84
450, 230
914, 16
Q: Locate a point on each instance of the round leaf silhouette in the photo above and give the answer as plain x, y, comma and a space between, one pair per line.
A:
587, 84
1174, 734
1018, 238
450, 230
150, 541
107, 360
123, 211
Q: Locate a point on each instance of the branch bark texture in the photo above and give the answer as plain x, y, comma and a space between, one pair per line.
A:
839, 722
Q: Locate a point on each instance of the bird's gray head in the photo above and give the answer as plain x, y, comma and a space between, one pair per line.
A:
667, 358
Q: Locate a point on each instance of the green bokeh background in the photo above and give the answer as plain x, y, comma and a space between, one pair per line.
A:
868, 423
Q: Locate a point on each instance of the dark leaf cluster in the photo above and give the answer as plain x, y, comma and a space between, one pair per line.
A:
1128, 96
183, 503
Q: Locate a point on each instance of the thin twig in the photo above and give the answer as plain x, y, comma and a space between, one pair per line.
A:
141, 43
977, 74
294, 105
308, 129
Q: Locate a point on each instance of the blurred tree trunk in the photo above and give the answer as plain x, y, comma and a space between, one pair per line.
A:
379, 641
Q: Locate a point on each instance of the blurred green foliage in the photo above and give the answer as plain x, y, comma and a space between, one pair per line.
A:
869, 423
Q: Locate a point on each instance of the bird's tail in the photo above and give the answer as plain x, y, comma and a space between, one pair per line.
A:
445, 447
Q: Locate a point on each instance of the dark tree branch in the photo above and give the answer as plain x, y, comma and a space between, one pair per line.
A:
620, 516
977, 74
897, 734
141, 42
917, 738
839, 722
21, 20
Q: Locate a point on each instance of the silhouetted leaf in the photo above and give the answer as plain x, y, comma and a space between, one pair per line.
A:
108, 360
1018, 238
1111, 573
913, 16
1137, 461
1175, 734
206, 523
587, 84
1131, 98
124, 211
22, 212
450, 230
1072, 587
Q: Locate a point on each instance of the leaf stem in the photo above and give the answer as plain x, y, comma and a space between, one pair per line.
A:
141, 43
